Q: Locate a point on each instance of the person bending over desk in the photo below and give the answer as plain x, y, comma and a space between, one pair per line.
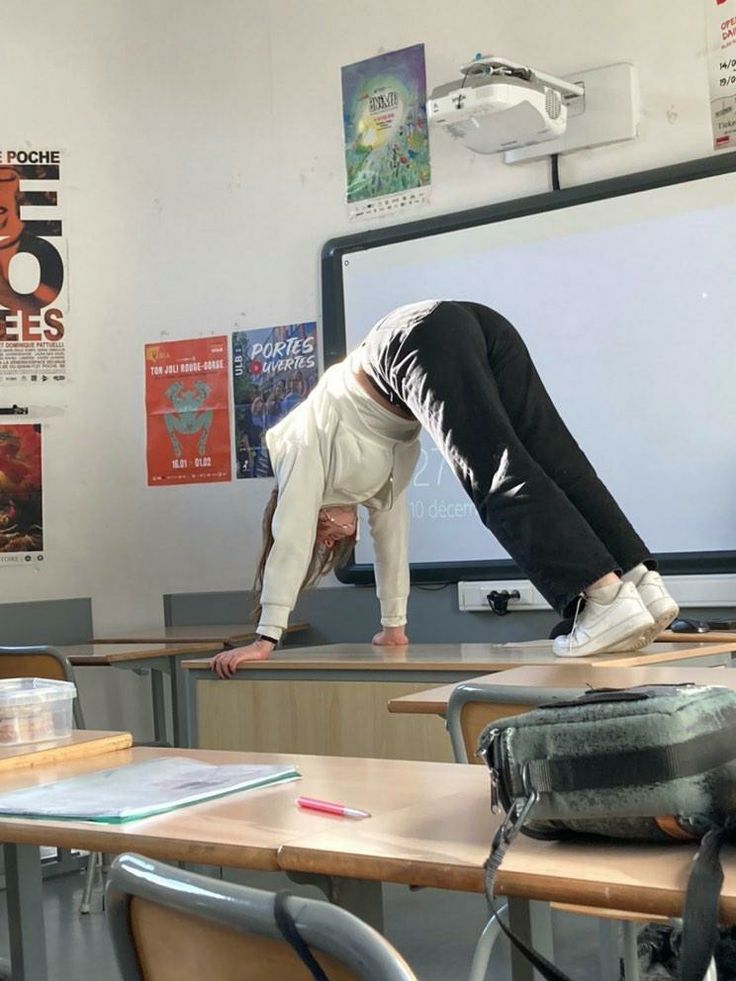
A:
461, 371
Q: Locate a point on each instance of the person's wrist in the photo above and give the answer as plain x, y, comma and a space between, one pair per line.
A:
265, 641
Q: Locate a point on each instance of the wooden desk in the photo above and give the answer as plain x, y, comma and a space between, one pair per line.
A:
224, 634
444, 846
511, 692
431, 825
331, 700
160, 660
442, 843
244, 830
23, 758
570, 678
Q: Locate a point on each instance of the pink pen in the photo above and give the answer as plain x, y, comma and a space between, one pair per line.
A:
328, 807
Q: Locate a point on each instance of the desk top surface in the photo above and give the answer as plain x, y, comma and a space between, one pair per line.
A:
464, 657
444, 846
104, 654
244, 829
434, 701
219, 633
430, 825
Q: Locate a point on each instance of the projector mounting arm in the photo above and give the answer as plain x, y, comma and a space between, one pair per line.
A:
491, 65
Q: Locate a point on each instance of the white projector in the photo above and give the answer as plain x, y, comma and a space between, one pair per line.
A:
490, 114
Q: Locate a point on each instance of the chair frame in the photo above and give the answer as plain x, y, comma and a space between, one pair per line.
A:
244, 910
66, 669
511, 695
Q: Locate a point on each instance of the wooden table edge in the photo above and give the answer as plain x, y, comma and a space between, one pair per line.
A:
104, 742
92, 837
624, 659
602, 894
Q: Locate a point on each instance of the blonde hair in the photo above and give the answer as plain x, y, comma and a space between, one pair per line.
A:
323, 560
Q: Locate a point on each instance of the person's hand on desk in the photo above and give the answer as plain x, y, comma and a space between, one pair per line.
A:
225, 663
391, 637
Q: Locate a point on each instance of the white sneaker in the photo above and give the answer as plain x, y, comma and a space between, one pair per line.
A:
657, 600
623, 624
662, 608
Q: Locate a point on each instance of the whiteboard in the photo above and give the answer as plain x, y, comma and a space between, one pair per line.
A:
625, 293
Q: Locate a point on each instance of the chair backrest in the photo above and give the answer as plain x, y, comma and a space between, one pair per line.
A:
40, 662
168, 924
472, 707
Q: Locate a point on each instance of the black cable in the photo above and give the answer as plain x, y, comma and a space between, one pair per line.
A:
433, 589
554, 160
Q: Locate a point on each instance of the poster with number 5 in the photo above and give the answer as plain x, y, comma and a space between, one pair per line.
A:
33, 293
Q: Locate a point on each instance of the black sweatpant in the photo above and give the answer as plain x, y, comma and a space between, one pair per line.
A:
465, 373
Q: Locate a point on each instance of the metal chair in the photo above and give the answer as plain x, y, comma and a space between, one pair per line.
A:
168, 924
471, 708
47, 662
40, 662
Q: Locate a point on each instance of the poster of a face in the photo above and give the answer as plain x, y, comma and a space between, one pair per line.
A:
21, 495
33, 298
274, 369
385, 122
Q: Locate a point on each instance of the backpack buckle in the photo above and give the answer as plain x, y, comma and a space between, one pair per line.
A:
519, 810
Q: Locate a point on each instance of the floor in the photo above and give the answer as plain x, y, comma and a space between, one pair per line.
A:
434, 930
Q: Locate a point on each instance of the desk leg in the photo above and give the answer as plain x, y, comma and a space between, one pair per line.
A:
25, 913
178, 703
531, 922
181, 710
188, 718
362, 897
159, 707
609, 936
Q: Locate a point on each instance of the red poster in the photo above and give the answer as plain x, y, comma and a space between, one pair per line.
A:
21, 495
187, 416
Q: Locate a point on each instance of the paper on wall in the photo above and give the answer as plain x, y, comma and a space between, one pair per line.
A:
721, 38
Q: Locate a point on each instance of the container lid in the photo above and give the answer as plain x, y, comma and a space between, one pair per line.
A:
32, 691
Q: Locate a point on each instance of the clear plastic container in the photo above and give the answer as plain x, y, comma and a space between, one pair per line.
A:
35, 710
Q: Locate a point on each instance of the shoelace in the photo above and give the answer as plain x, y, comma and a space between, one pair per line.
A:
571, 635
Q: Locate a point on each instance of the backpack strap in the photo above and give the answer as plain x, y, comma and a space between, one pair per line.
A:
288, 929
700, 916
543, 967
502, 839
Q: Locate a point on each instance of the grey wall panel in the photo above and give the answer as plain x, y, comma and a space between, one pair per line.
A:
46, 622
350, 614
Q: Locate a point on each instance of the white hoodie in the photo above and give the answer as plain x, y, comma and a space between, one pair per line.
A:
339, 447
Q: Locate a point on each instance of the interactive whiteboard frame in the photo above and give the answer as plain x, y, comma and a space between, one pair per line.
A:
333, 261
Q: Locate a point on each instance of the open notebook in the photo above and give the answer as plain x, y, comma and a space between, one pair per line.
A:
139, 790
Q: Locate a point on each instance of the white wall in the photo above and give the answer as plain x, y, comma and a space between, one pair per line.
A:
202, 172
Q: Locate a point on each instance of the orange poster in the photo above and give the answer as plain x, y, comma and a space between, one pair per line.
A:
187, 415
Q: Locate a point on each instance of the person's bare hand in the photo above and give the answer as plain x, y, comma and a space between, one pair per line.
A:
225, 663
391, 637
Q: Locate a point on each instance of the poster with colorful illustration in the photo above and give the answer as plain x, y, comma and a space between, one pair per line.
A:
721, 28
274, 369
385, 122
33, 298
21, 495
187, 412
